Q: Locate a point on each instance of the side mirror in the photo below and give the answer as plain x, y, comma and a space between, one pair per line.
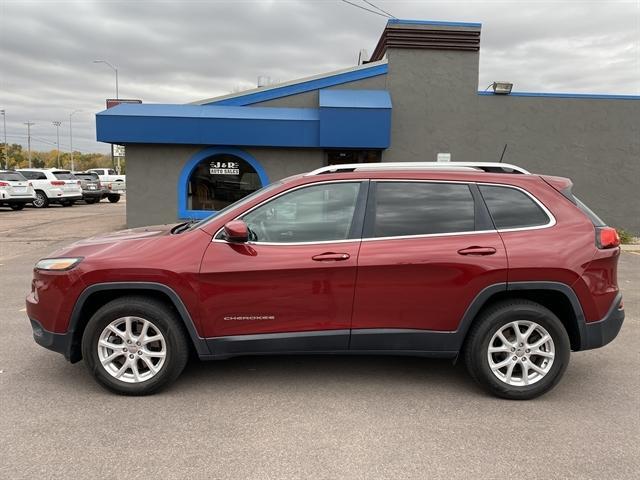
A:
236, 231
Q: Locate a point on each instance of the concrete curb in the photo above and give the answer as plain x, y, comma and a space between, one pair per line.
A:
630, 248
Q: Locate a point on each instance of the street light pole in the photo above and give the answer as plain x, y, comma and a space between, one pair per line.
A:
57, 125
71, 138
29, 125
114, 69
6, 145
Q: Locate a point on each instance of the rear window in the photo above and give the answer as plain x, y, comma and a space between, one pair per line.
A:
595, 219
511, 208
12, 177
64, 175
422, 208
86, 176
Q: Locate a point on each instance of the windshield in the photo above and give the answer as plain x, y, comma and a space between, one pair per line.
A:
237, 204
12, 177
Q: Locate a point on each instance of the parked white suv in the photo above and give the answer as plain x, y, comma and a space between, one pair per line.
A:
15, 190
53, 185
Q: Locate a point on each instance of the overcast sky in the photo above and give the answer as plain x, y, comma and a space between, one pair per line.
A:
184, 50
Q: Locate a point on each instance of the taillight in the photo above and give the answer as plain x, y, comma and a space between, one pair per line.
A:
607, 237
109, 186
57, 183
79, 183
30, 184
4, 184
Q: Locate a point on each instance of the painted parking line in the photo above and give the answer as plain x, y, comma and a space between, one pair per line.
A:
634, 253
22, 310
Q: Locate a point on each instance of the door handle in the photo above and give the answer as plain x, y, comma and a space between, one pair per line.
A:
331, 257
477, 251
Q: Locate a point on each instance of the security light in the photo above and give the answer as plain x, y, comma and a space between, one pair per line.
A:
502, 88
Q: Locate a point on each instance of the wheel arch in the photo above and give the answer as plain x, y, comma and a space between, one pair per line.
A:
94, 296
557, 297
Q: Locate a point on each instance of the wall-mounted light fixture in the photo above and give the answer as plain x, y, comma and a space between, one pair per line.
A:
502, 88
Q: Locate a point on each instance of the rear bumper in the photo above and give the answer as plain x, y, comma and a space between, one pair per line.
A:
66, 198
17, 200
93, 194
602, 332
57, 342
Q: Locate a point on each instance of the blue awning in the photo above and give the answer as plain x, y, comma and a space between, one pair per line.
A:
345, 119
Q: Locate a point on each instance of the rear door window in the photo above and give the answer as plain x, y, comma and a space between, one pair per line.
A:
422, 208
34, 175
512, 208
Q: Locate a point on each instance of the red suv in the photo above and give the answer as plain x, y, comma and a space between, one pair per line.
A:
486, 262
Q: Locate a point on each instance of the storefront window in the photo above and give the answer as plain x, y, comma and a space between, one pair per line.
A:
221, 180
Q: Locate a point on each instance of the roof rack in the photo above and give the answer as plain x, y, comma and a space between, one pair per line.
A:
492, 167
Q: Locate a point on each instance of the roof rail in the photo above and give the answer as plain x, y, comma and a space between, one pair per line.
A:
493, 167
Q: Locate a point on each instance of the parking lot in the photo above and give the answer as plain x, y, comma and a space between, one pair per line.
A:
302, 417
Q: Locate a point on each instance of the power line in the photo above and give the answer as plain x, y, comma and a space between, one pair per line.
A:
366, 9
378, 8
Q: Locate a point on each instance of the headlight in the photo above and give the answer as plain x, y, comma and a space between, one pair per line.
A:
58, 263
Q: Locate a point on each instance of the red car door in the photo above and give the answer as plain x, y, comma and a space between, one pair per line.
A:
428, 250
292, 285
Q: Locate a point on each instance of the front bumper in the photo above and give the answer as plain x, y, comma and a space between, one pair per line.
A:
598, 334
57, 342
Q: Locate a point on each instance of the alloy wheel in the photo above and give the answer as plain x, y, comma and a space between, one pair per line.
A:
521, 353
132, 349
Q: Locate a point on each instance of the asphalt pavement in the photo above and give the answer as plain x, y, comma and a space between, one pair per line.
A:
299, 417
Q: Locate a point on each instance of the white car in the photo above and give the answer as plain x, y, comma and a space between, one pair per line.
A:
53, 185
15, 190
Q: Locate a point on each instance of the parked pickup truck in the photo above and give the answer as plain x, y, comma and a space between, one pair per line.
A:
114, 183
108, 175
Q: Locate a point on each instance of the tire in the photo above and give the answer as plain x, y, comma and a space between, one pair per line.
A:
161, 320
90, 201
113, 198
41, 200
68, 203
508, 381
17, 206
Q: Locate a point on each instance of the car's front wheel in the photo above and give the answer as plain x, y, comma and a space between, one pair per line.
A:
135, 346
517, 349
113, 198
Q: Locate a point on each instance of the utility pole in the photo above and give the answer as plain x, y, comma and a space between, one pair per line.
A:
71, 138
57, 125
6, 145
29, 125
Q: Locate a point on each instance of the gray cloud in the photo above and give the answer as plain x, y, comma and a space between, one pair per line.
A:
180, 51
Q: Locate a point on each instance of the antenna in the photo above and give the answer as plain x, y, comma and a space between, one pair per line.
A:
503, 150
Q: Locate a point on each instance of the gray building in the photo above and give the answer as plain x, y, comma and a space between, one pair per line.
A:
417, 98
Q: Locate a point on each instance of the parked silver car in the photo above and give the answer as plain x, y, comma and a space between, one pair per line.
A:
92, 190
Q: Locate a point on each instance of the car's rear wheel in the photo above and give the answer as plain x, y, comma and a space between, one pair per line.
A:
41, 200
135, 346
90, 201
68, 203
113, 198
17, 206
517, 349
